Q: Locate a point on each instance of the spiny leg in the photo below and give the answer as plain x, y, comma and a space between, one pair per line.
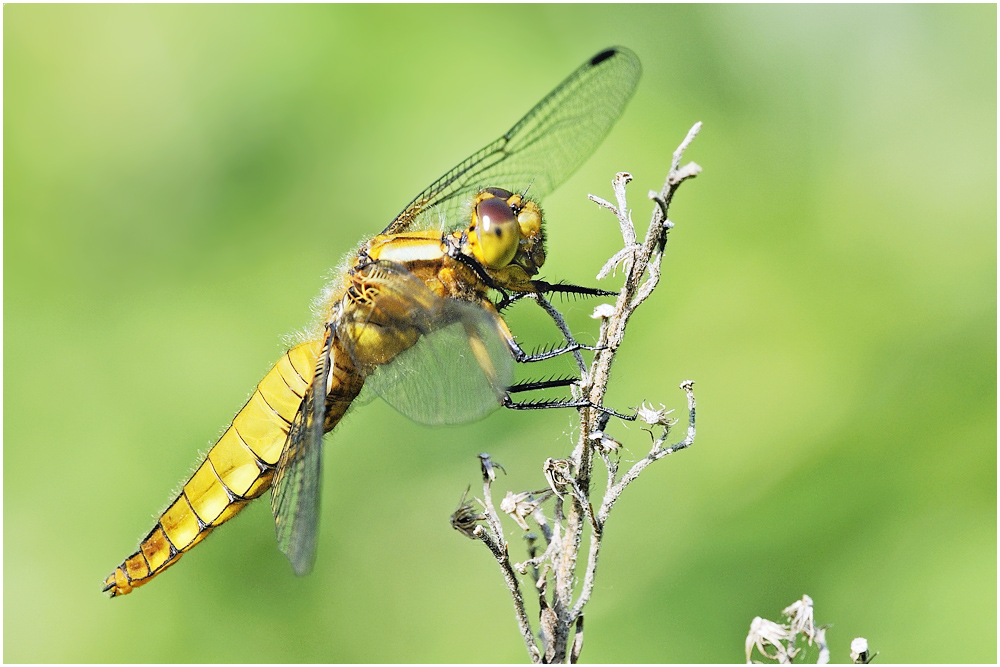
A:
542, 288
522, 357
534, 385
539, 297
572, 346
544, 404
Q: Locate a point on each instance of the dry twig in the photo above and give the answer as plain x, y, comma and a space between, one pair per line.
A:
560, 637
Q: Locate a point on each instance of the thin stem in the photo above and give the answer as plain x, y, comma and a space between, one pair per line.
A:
500, 553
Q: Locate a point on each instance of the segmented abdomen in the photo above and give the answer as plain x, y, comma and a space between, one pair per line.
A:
238, 468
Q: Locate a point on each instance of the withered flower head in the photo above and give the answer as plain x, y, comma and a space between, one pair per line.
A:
465, 518
800, 617
558, 473
489, 466
765, 633
655, 417
522, 505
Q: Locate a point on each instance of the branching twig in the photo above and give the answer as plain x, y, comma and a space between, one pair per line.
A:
569, 479
467, 522
657, 452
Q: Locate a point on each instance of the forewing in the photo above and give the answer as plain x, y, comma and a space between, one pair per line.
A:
459, 368
542, 150
295, 494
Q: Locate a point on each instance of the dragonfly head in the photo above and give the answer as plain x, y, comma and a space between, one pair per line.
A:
506, 237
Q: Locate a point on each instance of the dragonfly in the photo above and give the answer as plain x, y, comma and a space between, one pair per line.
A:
411, 318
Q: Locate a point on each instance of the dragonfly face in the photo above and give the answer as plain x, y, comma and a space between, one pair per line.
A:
505, 237
411, 320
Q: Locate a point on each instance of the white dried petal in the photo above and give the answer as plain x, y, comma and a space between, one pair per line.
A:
509, 502
765, 633
800, 617
603, 311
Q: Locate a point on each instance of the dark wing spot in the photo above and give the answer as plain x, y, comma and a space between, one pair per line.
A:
602, 56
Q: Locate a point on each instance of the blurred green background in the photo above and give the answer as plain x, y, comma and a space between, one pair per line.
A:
178, 181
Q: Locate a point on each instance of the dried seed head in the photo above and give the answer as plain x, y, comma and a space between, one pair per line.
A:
522, 505
764, 634
604, 442
465, 518
655, 417
800, 618
558, 473
488, 466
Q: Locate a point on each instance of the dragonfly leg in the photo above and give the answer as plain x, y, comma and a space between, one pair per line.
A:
523, 357
567, 288
518, 352
541, 384
545, 404
539, 298
544, 288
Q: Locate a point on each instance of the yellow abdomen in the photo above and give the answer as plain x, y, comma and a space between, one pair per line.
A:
238, 468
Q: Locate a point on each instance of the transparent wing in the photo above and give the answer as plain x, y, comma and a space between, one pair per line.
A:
295, 492
542, 150
442, 379
454, 366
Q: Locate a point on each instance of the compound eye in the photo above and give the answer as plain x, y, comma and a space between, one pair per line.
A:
497, 233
